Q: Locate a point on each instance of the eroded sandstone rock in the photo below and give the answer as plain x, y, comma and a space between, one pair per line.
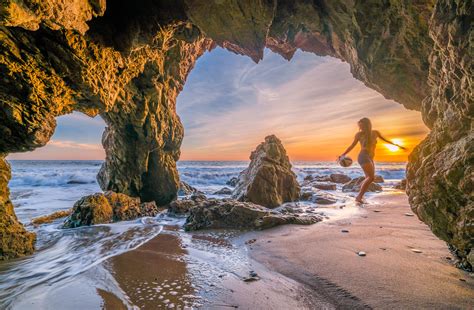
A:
186, 189
401, 185
440, 172
229, 213
108, 207
323, 185
14, 239
130, 61
339, 178
269, 180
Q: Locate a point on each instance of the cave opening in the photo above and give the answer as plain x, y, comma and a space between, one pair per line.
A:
228, 105
52, 178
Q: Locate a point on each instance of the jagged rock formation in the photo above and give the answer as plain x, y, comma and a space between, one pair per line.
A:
106, 208
186, 189
229, 213
14, 239
440, 173
129, 60
268, 180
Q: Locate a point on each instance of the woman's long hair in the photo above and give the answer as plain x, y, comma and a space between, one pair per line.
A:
366, 129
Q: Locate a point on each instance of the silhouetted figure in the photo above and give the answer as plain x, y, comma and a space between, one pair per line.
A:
368, 140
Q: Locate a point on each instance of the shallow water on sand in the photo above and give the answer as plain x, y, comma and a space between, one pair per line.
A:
43, 187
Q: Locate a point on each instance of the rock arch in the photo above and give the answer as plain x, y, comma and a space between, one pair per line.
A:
129, 60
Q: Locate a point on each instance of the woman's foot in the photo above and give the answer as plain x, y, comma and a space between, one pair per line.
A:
359, 200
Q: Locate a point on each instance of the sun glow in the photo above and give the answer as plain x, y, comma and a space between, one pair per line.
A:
394, 148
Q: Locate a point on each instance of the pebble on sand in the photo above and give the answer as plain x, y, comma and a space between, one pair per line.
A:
416, 251
409, 214
344, 231
361, 253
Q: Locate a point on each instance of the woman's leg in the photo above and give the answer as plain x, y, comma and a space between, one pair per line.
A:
369, 171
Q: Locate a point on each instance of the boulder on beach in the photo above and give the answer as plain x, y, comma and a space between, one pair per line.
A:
324, 186
185, 189
339, 178
324, 200
316, 178
46, 219
108, 207
183, 206
354, 186
401, 185
379, 179
223, 191
306, 194
269, 180
230, 213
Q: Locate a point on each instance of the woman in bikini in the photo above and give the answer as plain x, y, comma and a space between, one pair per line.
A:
368, 140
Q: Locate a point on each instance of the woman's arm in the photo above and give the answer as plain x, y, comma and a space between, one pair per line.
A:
354, 143
388, 141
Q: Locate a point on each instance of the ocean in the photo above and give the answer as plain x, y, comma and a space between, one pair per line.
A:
42, 187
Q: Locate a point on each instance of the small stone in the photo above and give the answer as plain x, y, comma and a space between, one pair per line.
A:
361, 253
251, 279
344, 231
409, 214
376, 211
416, 251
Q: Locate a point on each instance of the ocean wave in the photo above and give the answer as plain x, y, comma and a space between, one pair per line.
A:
53, 178
65, 253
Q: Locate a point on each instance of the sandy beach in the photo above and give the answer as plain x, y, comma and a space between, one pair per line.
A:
299, 267
392, 275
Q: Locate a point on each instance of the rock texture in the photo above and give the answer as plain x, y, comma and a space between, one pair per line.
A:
129, 60
106, 208
355, 184
339, 178
14, 239
440, 173
186, 189
268, 180
229, 213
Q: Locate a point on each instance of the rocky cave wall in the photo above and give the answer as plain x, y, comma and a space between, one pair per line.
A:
128, 60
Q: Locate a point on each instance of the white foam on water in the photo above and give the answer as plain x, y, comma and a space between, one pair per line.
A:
43, 187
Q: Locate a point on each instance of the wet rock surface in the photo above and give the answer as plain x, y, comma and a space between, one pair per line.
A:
128, 62
355, 184
323, 185
339, 178
108, 207
269, 180
230, 213
223, 191
401, 185
186, 189
233, 181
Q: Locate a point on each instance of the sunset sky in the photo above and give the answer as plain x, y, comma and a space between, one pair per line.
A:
229, 104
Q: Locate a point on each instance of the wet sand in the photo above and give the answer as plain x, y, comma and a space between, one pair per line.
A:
298, 267
202, 271
391, 275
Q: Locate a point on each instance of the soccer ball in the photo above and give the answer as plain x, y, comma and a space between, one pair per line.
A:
345, 161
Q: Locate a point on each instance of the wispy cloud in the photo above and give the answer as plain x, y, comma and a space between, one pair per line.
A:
229, 104
312, 104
